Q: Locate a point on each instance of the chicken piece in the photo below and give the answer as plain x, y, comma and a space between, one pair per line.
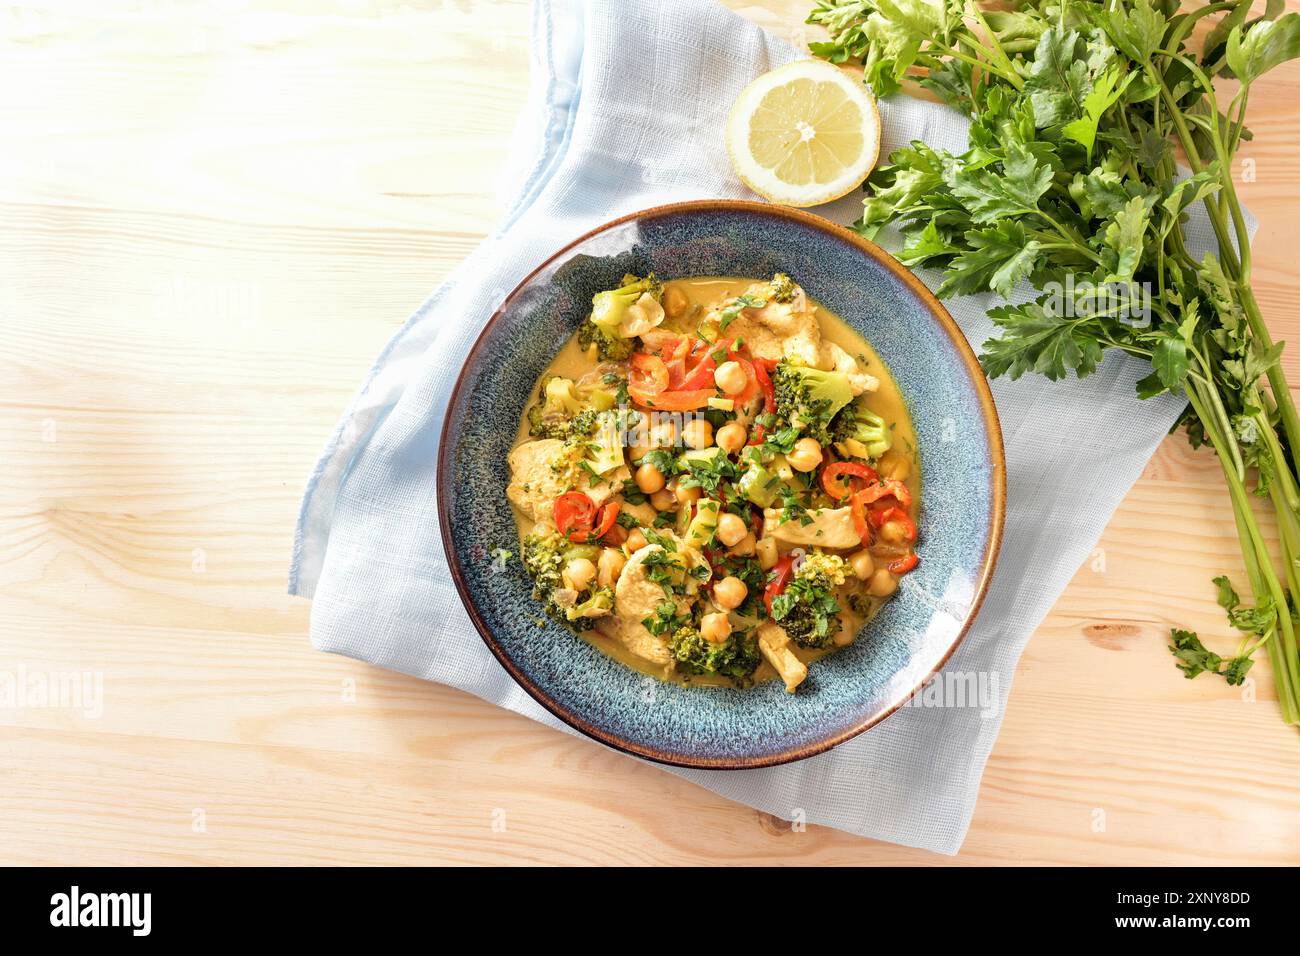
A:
535, 482
636, 598
798, 299
779, 329
761, 341
644, 513
774, 644
795, 325
829, 528
835, 358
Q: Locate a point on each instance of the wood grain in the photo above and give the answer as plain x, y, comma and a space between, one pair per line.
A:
210, 222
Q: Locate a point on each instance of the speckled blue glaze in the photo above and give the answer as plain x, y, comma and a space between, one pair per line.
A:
960, 521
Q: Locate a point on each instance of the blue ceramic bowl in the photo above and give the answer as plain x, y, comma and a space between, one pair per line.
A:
963, 488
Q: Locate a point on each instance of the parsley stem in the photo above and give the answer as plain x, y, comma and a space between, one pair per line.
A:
1071, 240
1259, 566
1226, 253
1011, 77
1184, 28
1221, 415
997, 50
1285, 476
1238, 125
1276, 378
1225, 161
1237, 269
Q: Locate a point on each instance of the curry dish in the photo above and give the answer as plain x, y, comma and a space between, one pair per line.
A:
716, 481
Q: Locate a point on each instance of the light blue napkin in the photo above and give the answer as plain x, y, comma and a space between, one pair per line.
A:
627, 111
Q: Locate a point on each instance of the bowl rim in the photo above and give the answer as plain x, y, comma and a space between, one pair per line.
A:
997, 468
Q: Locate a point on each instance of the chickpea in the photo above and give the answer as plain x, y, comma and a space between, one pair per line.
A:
635, 541
663, 434
637, 452
579, 573
731, 437
882, 584
674, 301
806, 454
730, 593
864, 565
744, 547
731, 378
697, 433
663, 500
731, 529
649, 479
896, 466
687, 495
610, 566
893, 532
715, 627
767, 553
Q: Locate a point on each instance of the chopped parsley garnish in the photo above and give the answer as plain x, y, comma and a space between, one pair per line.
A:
732, 312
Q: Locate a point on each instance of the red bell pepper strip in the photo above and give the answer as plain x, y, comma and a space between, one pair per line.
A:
762, 372
660, 341
861, 520
676, 354
886, 488
574, 512
898, 516
675, 401
606, 517
780, 578
701, 376
839, 489
651, 384
648, 374
751, 379
904, 564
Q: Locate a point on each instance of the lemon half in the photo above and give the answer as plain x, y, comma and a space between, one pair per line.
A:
804, 134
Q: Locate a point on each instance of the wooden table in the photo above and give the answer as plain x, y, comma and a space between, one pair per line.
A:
212, 217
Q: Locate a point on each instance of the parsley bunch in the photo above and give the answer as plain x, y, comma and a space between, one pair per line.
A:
1071, 182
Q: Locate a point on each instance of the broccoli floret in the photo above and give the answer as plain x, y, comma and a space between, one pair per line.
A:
543, 425
808, 398
561, 393
609, 348
607, 311
807, 608
543, 558
782, 288
545, 553
861, 432
583, 425
557, 403
735, 658
540, 425
599, 604
608, 308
